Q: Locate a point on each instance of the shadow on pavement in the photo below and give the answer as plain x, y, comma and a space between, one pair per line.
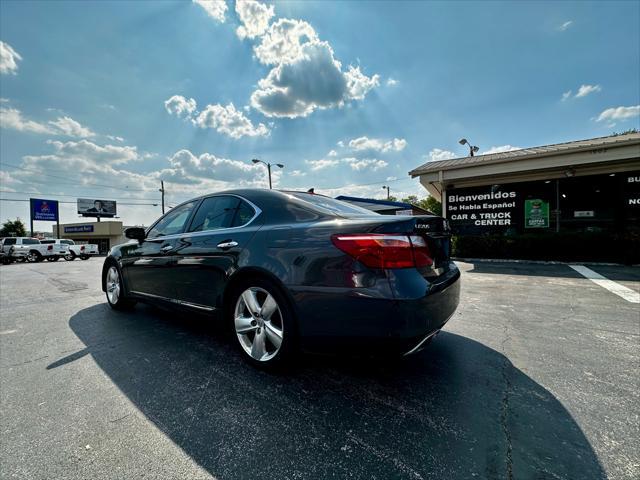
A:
457, 410
612, 272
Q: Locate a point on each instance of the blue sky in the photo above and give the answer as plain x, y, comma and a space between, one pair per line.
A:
104, 99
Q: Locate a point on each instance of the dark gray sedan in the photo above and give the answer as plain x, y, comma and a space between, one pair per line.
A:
291, 270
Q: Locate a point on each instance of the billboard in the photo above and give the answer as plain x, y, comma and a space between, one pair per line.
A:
46, 210
91, 207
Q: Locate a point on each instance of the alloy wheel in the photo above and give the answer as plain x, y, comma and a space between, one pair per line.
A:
113, 285
32, 257
258, 323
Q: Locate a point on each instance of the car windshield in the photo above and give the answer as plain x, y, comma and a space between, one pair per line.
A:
321, 202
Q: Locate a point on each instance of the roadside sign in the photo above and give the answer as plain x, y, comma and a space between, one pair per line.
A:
45, 210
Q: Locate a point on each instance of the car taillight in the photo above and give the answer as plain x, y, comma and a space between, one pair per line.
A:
82, 248
49, 247
379, 250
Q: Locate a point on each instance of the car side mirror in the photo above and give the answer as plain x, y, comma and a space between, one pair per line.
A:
135, 233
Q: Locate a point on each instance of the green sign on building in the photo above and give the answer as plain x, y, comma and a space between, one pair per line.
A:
536, 213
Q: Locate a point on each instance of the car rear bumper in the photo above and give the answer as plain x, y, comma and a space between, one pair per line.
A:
351, 320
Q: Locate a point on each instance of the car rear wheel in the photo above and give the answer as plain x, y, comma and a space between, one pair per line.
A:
33, 257
84, 257
116, 296
263, 323
53, 259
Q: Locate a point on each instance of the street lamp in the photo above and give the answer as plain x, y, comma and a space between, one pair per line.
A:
255, 160
472, 148
388, 191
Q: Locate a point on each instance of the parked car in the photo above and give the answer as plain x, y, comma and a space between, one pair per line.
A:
83, 251
60, 250
26, 248
291, 270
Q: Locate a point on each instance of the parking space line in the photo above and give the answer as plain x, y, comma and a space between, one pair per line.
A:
620, 290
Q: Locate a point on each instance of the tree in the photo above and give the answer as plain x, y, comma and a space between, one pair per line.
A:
429, 203
13, 229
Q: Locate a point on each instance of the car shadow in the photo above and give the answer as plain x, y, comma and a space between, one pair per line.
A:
457, 410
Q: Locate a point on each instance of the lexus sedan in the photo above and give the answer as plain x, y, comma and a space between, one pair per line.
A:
290, 271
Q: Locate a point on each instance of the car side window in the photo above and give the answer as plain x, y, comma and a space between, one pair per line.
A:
215, 213
9, 241
30, 241
173, 222
244, 213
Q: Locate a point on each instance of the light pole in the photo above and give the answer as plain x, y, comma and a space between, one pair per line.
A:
388, 191
472, 148
255, 160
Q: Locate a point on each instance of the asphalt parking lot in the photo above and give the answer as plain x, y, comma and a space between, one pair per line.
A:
535, 377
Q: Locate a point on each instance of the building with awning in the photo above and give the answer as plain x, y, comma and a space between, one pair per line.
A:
584, 185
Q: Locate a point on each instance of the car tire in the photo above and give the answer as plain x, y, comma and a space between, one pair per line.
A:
70, 257
115, 292
53, 259
267, 340
33, 257
84, 257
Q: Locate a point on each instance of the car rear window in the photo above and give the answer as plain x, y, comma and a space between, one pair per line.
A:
331, 205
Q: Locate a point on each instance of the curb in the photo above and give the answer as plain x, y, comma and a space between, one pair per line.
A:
538, 262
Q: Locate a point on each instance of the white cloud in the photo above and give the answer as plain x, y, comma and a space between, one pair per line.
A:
365, 163
214, 8
297, 173
356, 164
619, 113
68, 126
12, 118
101, 154
180, 106
306, 75
255, 18
283, 41
208, 165
439, 154
322, 164
9, 59
333, 153
585, 90
565, 25
392, 82
377, 144
229, 121
500, 149
115, 138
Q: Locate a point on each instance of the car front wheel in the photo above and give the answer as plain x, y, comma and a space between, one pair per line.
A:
69, 257
116, 296
263, 323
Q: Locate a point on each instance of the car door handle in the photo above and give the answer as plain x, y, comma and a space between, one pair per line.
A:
228, 244
166, 248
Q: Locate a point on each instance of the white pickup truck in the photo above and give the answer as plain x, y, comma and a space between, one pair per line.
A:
31, 250
74, 251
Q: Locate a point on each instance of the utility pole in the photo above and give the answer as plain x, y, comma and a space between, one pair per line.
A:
162, 191
386, 187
